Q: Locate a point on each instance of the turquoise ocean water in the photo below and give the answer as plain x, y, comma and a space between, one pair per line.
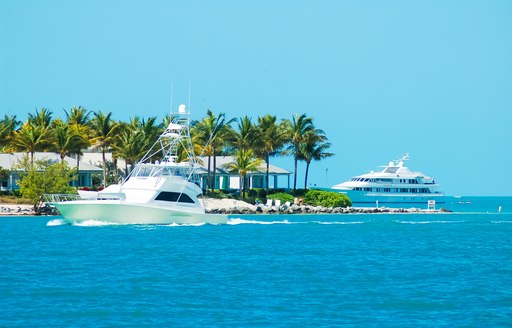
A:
375, 270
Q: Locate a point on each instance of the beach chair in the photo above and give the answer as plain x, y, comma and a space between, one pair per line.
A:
277, 203
269, 203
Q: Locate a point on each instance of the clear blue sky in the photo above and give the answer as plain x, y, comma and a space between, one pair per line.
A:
381, 78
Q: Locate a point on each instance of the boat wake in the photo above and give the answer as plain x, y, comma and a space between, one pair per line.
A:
56, 222
93, 223
426, 222
186, 224
346, 222
237, 221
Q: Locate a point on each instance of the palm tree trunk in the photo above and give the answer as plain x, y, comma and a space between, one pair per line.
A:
214, 169
208, 174
306, 179
295, 175
77, 170
267, 159
104, 168
243, 186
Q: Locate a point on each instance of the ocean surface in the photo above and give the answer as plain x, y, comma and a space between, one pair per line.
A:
369, 270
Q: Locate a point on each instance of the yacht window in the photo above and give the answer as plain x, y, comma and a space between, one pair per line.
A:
173, 197
391, 169
144, 171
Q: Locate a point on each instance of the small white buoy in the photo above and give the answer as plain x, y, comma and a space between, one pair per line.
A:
499, 209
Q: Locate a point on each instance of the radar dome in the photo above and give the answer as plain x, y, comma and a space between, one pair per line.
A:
182, 109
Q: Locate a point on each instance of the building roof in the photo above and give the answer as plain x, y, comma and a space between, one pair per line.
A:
7, 161
222, 161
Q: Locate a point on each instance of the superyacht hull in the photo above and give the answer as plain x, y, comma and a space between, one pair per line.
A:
123, 213
362, 198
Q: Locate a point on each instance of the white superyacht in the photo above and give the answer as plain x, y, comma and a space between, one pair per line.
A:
161, 189
395, 185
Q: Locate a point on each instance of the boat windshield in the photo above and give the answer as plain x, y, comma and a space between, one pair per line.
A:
146, 171
391, 169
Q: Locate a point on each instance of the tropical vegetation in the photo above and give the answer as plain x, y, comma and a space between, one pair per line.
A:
249, 142
326, 199
43, 177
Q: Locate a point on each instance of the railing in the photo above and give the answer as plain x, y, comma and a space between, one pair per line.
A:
57, 198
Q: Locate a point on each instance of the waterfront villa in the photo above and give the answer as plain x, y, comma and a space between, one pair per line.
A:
278, 178
9, 161
91, 163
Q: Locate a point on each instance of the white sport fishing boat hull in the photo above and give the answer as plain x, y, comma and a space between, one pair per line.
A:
120, 212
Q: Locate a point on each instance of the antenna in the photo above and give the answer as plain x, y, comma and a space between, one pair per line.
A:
172, 94
189, 92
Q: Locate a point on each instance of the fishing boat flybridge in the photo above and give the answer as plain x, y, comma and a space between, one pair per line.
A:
162, 188
395, 185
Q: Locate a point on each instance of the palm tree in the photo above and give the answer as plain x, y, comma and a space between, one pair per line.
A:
221, 134
314, 149
244, 162
41, 118
31, 138
134, 139
151, 131
78, 115
245, 137
65, 139
7, 127
296, 131
104, 131
79, 122
271, 138
211, 132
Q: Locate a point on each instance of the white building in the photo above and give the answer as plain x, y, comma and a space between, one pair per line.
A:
9, 161
224, 179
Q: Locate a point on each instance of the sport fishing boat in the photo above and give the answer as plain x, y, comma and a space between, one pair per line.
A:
162, 188
395, 185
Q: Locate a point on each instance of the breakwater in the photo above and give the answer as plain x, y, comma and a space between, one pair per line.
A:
308, 209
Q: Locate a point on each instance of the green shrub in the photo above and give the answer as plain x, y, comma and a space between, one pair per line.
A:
44, 178
218, 194
298, 192
262, 193
326, 199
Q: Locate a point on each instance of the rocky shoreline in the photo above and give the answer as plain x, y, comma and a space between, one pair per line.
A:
306, 209
239, 207
16, 209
